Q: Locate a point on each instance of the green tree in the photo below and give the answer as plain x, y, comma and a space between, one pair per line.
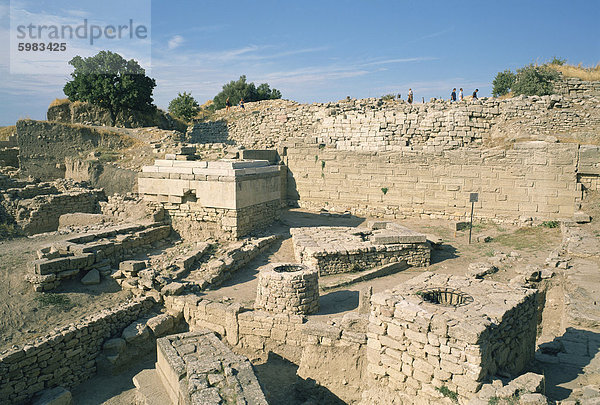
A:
110, 81
503, 82
184, 106
533, 80
239, 89
558, 61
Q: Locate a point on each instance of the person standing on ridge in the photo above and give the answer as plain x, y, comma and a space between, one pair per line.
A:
410, 96
460, 95
453, 95
242, 103
227, 104
475, 94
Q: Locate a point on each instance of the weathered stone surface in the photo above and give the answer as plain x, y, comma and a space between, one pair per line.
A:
92, 277
53, 396
161, 325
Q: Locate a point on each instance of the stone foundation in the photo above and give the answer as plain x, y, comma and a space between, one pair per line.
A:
196, 368
288, 288
224, 199
438, 330
334, 250
94, 251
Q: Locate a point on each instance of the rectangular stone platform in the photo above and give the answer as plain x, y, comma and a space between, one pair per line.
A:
335, 250
197, 368
233, 196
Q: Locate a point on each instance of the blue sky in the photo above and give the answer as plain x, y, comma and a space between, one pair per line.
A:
316, 51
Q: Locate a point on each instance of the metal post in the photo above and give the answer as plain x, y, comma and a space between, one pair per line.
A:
471, 223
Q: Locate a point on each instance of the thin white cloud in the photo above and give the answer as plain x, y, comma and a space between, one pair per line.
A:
400, 60
175, 42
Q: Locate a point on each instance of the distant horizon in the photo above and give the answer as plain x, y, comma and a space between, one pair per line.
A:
322, 51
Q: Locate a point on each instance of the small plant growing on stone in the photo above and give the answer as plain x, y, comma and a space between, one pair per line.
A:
316, 158
448, 393
550, 224
384, 190
322, 164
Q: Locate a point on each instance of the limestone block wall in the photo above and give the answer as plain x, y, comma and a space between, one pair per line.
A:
96, 250
65, 357
223, 198
316, 347
334, 250
377, 125
45, 145
531, 179
417, 342
574, 87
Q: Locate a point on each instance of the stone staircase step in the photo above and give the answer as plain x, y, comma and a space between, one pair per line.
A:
150, 389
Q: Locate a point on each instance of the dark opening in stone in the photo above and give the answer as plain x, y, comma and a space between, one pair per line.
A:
288, 268
446, 297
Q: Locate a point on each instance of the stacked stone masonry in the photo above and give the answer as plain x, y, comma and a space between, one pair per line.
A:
196, 368
377, 125
334, 250
36, 207
288, 288
96, 250
65, 357
532, 179
236, 197
415, 346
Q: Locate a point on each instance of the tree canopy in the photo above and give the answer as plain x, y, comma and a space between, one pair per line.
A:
503, 82
184, 106
532, 80
239, 89
110, 81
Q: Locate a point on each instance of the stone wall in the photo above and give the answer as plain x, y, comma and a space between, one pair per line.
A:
334, 250
341, 342
95, 251
225, 198
438, 330
37, 207
574, 87
65, 357
45, 145
531, 179
112, 179
377, 125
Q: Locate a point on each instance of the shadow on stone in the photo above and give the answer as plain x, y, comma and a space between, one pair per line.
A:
282, 386
564, 358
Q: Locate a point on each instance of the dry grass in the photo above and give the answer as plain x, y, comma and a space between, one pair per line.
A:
59, 101
580, 72
5, 132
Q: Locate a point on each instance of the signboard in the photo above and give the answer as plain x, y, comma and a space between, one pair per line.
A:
474, 197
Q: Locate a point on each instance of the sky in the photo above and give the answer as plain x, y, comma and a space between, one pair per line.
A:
312, 51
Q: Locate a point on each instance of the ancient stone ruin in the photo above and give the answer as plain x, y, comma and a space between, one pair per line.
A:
306, 254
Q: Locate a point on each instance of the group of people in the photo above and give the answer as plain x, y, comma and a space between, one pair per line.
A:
453, 97
228, 104
460, 95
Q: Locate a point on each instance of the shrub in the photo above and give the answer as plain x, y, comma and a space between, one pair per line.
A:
184, 106
503, 82
558, 61
533, 80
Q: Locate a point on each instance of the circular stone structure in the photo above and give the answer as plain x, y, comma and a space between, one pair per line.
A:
288, 288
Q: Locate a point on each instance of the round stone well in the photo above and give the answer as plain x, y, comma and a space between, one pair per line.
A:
288, 288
